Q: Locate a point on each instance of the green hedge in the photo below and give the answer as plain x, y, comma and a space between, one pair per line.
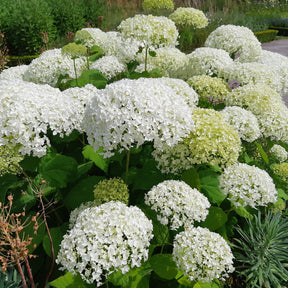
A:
266, 35
20, 60
282, 31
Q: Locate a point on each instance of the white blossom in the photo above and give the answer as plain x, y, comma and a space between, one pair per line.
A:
97, 37
279, 152
202, 255
247, 185
13, 73
105, 239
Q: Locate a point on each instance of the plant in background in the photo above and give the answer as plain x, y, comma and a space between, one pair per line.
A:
261, 256
279, 153
3, 52
156, 5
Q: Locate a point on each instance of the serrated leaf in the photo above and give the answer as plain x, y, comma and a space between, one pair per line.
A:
215, 219
82, 192
70, 281
242, 211
101, 162
164, 266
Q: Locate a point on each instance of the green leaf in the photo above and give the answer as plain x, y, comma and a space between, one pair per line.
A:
57, 234
262, 153
242, 211
152, 53
70, 281
7, 181
191, 177
30, 163
164, 266
200, 284
84, 168
81, 192
101, 162
215, 219
58, 170
282, 194
209, 186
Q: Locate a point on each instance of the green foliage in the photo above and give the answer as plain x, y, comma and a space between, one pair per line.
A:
10, 279
261, 251
69, 281
267, 35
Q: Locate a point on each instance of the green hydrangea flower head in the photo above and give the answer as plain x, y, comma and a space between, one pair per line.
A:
281, 170
188, 16
213, 141
209, 88
74, 50
158, 4
9, 160
113, 189
83, 36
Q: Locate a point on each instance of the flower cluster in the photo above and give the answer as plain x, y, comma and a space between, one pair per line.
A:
109, 66
158, 4
239, 41
243, 121
281, 170
156, 31
170, 61
91, 36
209, 88
14, 73
129, 112
105, 239
113, 189
247, 185
177, 204
202, 255
47, 68
213, 141
208, 61
188, 16
74, 50
279, 152
254, 73
9, 160
28, 110
266, 105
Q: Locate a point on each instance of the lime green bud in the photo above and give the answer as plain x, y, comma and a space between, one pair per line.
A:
9, 160
74, 50
82, 36
113, 189
281, 170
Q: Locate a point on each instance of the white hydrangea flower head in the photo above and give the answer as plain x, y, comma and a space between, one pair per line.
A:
128, 113
202, 255
124, 49
109, 66
158, 4
97, 37
279, 62
267, 105
239, 41
279, 152
208, 61
177, 204
243, 121
213, 140
254, 73
170, 61
105, 239
188, 16
13, 73
156, 31
209, 88
28, 110
47, 68
247, 185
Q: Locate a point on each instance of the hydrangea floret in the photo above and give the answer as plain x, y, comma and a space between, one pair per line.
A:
279, 152
177, 204
208, 61
110, 66
202, 255
156, 31
247, 185
158, 4
104, 239
188, 16
14, 73
128, 113
243, 121
209, 88
239, 41
9, 160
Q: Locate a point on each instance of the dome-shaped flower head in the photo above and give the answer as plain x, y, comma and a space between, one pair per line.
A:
177, 204
74, 50
208, 61
156, 31
202, 255
281, 170
188, 16
14, 73
243, 121
9, 160
247, 185
105, 239
158, 4
91, 37
239, 41
128, 113
279, 152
